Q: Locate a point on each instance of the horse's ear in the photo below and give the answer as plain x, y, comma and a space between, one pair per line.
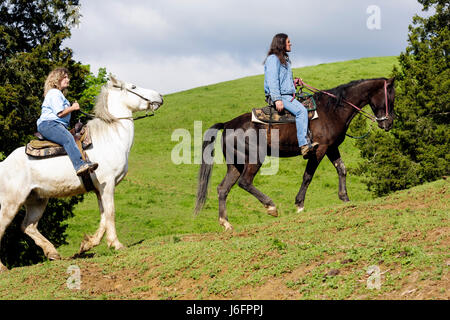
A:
114, 81
391, 81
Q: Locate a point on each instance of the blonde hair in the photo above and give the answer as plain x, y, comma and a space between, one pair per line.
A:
54, 79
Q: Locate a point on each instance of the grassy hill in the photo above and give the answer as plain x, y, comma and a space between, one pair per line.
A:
172, 254
157, 197
324, 253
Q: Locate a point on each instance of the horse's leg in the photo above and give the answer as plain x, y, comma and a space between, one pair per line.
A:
335, 158
7, 213
246, 183
107, 200
311, 167
91, 241
34, 210
223, 189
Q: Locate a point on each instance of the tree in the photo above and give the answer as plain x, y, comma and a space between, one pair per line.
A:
31, 36
416, 150
93, 86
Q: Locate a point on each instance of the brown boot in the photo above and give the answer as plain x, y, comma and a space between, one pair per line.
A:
84, 168
87, 166
92, 166
307, 149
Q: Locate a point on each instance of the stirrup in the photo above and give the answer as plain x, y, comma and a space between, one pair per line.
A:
313, 146
83, 169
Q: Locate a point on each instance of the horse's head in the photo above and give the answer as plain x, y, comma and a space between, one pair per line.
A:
136, 98
382, 104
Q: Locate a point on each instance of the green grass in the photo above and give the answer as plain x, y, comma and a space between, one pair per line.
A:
157, 197
321, 254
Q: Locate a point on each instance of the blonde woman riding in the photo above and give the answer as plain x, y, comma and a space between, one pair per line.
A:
55, 117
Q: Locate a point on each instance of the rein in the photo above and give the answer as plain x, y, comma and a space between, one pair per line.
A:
365, 114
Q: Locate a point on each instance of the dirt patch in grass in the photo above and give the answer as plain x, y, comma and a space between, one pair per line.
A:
129, 284
421, 283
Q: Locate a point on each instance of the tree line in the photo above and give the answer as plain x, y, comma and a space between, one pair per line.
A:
416, 150
31, 37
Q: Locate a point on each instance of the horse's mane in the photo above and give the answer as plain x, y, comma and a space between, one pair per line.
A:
340, 92
101, 107
103, 118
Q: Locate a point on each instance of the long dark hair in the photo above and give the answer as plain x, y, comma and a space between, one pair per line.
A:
278, 48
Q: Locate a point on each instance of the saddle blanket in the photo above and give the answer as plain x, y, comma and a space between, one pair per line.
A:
48, 149
269, 114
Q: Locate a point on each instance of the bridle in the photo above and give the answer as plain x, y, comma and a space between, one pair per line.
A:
367, 115
386, 103
149, 105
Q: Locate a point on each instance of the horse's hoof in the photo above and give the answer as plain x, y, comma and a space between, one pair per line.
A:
300, 209
83, 249
54, 256
84, 246
224, 223
3, 269
119, 247
272, 210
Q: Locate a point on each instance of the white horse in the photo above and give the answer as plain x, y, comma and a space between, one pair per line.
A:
27, 181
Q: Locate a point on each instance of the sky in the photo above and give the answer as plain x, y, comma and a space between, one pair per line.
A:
175, 45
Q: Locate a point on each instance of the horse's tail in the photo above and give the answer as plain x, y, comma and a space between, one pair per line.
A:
1, 176
204, 174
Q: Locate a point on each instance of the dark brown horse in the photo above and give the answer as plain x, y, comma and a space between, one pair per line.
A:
335, 109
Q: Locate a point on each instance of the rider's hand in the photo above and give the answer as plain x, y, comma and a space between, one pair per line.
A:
75, 106
279, 105
298, 82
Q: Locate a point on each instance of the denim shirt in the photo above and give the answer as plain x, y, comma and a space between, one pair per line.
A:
278, 78
54, 102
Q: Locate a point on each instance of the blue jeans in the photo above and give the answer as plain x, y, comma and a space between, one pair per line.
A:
56, 132
301, 117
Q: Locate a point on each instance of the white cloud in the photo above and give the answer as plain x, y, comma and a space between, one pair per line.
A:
185, 44
177, 73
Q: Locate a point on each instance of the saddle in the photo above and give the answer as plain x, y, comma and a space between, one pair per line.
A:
42, 148
269, 113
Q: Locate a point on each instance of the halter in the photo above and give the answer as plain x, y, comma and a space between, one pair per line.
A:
367, 115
